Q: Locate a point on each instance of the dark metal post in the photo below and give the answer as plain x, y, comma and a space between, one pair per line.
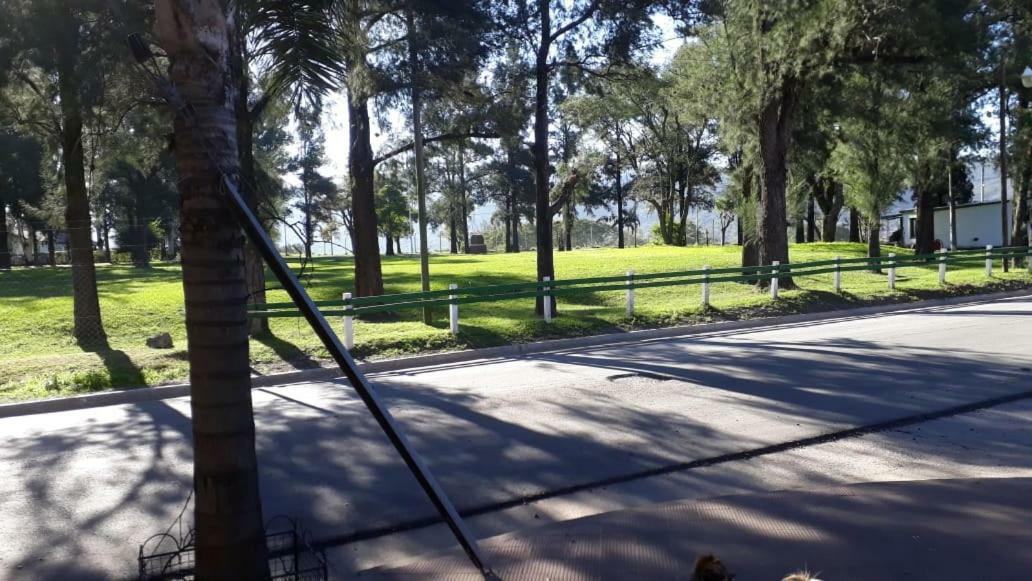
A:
257, 235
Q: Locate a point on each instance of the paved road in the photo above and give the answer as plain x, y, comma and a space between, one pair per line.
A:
80, 490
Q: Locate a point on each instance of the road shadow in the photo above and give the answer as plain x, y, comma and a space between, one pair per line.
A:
93, 485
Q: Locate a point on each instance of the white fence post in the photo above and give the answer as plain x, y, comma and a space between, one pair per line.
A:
630, 293
705, 286
942, 266
892, 271
838, 274
349, 324
774, 279
547, 299
988, 259
453, 310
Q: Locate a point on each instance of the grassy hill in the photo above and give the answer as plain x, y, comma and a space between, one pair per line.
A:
39, 357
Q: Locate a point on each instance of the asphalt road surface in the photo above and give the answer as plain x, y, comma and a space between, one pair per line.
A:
546, 437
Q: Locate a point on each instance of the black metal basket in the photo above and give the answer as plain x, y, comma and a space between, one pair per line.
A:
291, 556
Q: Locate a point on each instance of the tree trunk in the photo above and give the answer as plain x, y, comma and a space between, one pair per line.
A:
388, 245
811, 220
1021, 207
453, 235
253, 264
619, 206
545, 265
230, 537
140, 254
463, 199
34, 244
854, 225
368, 275
417, 140
874, 242
88, 327
51, 252
508, 224
1019, 236
800, 231
750, 250
775, 125
516, 232
1004, 222
829, 198
568, 224
924, 238
397, 244
5, 249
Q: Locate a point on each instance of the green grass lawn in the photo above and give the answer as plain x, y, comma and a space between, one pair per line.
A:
39, 357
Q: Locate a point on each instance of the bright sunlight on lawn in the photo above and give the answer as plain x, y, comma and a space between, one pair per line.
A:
39, 357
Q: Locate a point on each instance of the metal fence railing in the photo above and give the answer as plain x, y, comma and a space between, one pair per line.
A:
348, 306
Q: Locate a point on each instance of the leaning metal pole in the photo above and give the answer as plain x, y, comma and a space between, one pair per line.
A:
257, 235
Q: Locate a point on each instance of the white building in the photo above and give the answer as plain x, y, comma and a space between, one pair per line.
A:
978, 224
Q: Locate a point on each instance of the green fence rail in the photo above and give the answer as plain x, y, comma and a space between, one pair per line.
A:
349, 307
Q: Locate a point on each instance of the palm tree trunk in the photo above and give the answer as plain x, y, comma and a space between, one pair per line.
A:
88, 327
230, 542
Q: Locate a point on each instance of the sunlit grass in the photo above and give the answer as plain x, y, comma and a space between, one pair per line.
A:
39, 357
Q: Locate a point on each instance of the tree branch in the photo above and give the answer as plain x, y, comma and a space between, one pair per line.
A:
434, 139
588, 13
562, 192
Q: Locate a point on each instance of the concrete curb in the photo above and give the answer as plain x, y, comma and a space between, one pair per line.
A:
145, 394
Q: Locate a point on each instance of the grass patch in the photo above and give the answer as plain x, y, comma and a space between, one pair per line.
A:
39, 357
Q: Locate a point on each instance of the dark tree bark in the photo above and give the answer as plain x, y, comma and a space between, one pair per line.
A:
854, 225
1019, 237
453, 235
463, 199
1004, 222
750, 249
800, 231
516, 232
829, 197
397, 244
775, 128
420, 161
619, 205
543, 215
5, 249
230, 538
368, 276
811, 220
388, 245
874, 242
88, 327
924, 238
253, 263
51, 252
508, 225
